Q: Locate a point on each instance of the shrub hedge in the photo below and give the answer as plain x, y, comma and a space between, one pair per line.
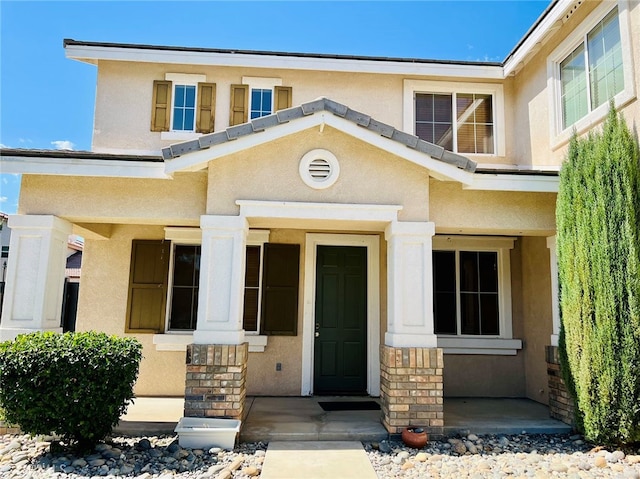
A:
598, 216
76, 385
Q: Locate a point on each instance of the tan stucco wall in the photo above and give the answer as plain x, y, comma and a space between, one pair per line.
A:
532, 99
472, 375
112, 129
102, 306
455, 210
270, 172
178, 202
537, 315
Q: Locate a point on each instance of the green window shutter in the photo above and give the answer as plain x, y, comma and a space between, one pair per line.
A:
239, 104
148, 286
161, 105
283, 96
280, 289
206, 107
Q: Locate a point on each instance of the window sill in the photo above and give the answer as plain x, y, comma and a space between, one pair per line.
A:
179, 342
172, 342
467, 345
179, 135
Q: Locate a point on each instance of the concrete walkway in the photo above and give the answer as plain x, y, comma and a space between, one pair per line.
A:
317, 460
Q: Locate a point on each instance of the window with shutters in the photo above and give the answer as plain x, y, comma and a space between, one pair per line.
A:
165, 278
257, 97
591, 67
183, 105
460, 117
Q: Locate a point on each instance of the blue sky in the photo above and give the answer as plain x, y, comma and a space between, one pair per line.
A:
46, 100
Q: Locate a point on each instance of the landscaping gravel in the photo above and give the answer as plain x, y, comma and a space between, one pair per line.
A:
470, 456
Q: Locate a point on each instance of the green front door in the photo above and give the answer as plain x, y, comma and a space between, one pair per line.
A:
340, 352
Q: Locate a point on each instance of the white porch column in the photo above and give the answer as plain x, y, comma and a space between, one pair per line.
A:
35, 275
410, 285
221, 289
555, 290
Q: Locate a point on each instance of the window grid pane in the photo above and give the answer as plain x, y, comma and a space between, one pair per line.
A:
444, 298
605, 60
434, 122
260, 102
184, 108
251, 312
574, 87
474, 115
184, 293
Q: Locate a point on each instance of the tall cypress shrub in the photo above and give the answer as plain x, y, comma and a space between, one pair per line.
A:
598, 244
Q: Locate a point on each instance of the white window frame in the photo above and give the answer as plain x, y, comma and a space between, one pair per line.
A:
560, 136
411, 87
258, 238
187, 79
503, 343
177, 340
261, 83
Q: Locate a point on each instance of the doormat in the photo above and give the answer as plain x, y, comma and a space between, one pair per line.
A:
349, 405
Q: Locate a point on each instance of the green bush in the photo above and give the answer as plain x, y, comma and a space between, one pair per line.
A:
76, 385
598, 216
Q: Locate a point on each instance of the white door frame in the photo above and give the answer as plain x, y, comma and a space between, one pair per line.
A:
372, 243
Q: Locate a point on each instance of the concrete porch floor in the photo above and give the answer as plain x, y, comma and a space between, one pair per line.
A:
302, 419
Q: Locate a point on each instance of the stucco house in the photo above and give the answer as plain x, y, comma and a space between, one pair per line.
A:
309, 224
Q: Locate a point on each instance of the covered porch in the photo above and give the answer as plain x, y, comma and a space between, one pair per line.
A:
303, 419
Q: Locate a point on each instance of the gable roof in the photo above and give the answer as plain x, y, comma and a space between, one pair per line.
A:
297, 113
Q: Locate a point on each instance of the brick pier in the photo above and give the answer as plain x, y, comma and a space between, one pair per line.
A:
216, 380
411, 389
561, 405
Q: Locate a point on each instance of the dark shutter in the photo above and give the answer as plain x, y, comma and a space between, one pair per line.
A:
280, 289
206, 107
239, 104
282, 97
161, 105
148, 286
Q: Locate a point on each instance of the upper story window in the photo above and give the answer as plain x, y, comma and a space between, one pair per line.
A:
589, 68
461, 122
466, 118
257, 97
593, 73
183, 104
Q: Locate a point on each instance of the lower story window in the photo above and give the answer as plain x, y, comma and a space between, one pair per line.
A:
183, 313
466, 297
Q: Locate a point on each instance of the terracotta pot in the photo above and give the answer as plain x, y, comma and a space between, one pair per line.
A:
415, 437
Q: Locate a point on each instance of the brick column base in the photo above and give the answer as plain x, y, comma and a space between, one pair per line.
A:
411, 389
561, 405
216, 380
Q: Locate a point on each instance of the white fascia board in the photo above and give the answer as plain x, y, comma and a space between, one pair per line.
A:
536, 38
506, 182
91, 54
82, 167
198, 160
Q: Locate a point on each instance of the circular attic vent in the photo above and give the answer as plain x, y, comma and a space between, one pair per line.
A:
319, 169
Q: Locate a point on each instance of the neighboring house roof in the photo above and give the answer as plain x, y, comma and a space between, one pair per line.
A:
261, 124
74, 265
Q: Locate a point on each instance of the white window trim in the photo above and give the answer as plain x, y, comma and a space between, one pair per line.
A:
560, 136
261, 83
504, 343
258, 238
411, 87
182, 79
178, 340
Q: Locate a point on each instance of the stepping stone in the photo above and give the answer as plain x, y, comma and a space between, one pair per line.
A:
317, 460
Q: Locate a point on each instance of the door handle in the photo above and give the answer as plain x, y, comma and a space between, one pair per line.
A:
317, 334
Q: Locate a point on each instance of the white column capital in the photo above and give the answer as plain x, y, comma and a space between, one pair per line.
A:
410, 284
35, 275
